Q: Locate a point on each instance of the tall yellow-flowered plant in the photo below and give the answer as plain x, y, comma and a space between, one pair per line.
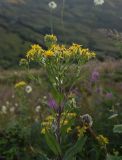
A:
62, 64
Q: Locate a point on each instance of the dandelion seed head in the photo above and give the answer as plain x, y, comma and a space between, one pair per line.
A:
28, 89
52, 5
98, 2
87, 119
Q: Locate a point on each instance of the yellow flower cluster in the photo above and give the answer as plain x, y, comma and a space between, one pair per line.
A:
69, 115
65, 118
49, 53
58, 50
50, 40
23, 61
46, 124
20, 84
102, 140
81, 130
34, 52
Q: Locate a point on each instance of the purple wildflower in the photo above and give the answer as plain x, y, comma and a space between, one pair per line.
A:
52, 103
109, 95
94, 76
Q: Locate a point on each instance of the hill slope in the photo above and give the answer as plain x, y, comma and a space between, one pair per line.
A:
23, 22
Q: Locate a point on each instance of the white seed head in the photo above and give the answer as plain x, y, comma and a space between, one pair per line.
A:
52, 5
87, 119
28, 89
98, 2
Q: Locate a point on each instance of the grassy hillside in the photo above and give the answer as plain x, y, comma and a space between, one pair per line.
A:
23, 22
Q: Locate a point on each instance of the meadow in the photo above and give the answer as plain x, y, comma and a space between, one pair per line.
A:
100, 99
60, 85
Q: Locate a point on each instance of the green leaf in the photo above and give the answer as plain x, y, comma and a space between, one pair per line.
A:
71, 152
56, 95
117, 128
52, 143
110, 157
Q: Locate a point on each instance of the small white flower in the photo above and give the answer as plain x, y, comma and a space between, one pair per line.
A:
37, 109
28, 89
7, 103
12, 109
4, 109
45, 97
16, 104
61, 81
113, 116
52, 5
98, 2
36, 119
43, 60
13, 96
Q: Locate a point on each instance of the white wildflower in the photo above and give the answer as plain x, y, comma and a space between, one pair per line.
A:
36, 119
98, 2
7, 103
13, 96
52, 5
43, 60
12, 109
4, 109
28, 89
45, 97
16, 104
38, 109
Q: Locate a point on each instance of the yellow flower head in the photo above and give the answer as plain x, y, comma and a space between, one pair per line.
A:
81, 130
74, 49
34, 52
50, 40
102, 140
43, 131
49, 53
86, 53
20, 84
23, 62
69, 129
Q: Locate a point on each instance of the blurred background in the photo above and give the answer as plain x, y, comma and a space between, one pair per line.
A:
24, 22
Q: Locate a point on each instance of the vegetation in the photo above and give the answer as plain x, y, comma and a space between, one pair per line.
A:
58, 101
70, 118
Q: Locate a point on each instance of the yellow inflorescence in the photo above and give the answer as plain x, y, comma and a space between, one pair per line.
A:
20, 84
50, 38
102, 140
87, 53
34, 52
62, 51
23, 61
65, 118
81, 130
49, 53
